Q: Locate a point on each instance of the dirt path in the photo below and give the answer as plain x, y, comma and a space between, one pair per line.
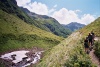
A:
93, 57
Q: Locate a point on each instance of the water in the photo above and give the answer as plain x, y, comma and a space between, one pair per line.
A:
19, 55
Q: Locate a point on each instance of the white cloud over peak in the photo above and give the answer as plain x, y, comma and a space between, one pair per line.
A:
87, 18
65, 16
22, 2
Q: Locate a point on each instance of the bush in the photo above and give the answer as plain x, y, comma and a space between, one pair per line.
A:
97, 49
5, 37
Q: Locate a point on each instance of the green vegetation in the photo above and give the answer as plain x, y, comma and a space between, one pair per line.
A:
50, 24
94, 26
15, 34
69, 53
53, 26
97, 49
11, 7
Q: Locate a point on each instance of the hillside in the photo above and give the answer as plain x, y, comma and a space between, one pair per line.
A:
94, 26
73, 26
70, 52
15, 34
50, 24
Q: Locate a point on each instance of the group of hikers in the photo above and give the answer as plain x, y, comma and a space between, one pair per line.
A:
89, 42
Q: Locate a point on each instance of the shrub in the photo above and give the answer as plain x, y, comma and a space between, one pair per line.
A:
97, 49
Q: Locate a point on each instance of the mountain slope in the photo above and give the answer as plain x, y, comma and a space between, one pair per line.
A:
94, 26
70, 52
15, 34
10, 6
49, 23
73, 26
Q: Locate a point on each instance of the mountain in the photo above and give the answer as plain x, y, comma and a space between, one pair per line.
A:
70, 52
16, 33
73, 26
49, 23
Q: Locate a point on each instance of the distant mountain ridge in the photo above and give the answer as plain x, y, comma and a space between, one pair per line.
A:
49, 23
73, 26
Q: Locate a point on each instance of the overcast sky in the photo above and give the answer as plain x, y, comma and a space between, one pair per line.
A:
65, 11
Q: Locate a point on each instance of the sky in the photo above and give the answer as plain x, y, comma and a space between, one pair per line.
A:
65, 11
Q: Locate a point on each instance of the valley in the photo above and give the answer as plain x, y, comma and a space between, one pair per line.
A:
33, 40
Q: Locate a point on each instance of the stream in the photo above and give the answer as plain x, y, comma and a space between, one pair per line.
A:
21, 58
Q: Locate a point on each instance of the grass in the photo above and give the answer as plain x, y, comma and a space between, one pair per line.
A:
53, 26
94, 26
15, 34
69, 53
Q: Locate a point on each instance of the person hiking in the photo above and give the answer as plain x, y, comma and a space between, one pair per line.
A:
93, 36
90, 41
86, 45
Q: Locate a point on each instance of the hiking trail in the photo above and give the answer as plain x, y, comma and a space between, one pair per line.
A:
93, 57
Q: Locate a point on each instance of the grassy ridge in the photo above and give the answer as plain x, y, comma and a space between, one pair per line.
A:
94, 26
15, 33
68, 53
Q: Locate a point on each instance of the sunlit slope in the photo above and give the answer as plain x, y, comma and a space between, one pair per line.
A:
94, 26
68, 53
15, 33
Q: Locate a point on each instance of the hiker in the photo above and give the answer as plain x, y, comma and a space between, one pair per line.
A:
93, 36
90, 38
86, 45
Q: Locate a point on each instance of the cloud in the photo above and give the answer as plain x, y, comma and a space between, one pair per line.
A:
22, 2
65, 16
78, 11
87, 18
37, 7
52, 9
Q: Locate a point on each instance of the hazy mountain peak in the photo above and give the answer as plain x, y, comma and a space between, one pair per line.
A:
73, 26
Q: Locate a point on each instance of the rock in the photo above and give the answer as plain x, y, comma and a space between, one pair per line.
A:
13, 56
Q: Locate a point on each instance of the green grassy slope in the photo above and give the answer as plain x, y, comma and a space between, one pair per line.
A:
15, 34
94, 26
50, 24
55, 27
10, 6
70, 52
